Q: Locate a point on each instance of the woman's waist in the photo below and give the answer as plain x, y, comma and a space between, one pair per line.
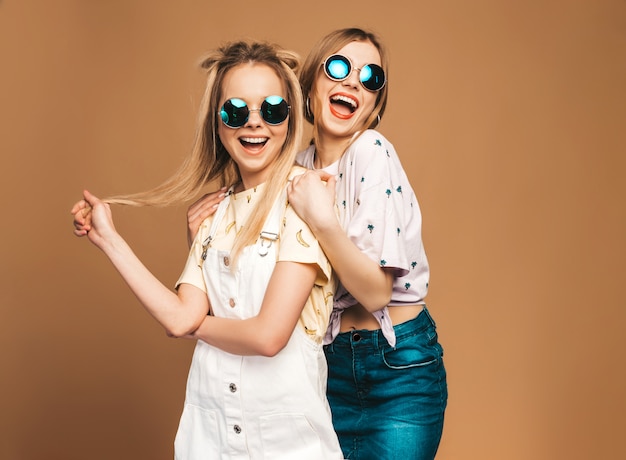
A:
357, 317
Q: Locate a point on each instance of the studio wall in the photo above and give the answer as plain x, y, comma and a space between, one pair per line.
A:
510, 120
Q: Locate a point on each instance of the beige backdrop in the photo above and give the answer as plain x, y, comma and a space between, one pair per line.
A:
509, 118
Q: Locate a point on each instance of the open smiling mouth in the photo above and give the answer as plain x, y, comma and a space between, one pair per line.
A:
343, 106
253, 143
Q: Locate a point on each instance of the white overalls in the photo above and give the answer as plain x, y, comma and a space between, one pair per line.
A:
254, 407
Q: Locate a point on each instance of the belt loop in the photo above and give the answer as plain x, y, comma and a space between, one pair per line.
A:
430, 318
375, 339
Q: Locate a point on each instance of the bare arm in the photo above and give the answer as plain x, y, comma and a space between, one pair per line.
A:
179, 313
314, 201
268, 332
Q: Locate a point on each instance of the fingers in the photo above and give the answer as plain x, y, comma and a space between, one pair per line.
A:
331, 181
80, 232
306, 181
82, 218
200, 210
294, 181
78, 206
82, 212
90, 199
83, 207
206, 201
323, 175
205, 206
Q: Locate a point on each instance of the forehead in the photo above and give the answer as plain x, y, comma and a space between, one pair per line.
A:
361, 52
252, 82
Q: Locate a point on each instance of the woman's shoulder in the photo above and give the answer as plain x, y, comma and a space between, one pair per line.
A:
370, 144
296, 170
306, 156
373, 137
371, 147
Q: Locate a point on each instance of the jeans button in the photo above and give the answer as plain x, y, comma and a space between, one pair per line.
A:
356, 337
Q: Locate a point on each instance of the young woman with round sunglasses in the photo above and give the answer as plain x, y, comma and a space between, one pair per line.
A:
256, 286
387, 382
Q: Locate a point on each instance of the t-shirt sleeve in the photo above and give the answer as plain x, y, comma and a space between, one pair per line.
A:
297, 244
192, 273
377, 222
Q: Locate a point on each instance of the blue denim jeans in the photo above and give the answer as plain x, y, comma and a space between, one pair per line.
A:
388, 403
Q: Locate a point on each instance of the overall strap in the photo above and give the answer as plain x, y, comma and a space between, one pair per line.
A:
271, 227
219, 215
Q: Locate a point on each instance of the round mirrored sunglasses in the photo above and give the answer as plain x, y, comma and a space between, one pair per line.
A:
235, 112
338, 67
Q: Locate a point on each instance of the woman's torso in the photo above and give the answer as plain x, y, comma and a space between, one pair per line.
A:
252, 406
379, 211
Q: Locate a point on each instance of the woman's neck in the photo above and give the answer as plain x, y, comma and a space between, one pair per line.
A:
329, 151
242, 186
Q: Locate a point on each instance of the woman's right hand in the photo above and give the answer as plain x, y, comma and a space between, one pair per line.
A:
312, 196
200, 210
93, 219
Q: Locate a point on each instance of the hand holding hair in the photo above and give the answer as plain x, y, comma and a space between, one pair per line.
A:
93, 218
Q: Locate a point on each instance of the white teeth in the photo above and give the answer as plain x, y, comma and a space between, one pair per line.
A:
345, 99
254, 140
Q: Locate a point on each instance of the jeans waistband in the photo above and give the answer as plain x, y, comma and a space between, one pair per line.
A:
376, 339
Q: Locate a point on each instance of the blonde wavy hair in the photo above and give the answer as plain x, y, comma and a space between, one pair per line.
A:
330, 44
209, 160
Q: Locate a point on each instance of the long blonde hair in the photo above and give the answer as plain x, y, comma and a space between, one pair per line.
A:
330, 44
209, 160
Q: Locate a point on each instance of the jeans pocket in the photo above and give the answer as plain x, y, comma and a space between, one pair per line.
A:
417, 351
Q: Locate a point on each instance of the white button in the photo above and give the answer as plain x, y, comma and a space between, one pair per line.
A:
232, 387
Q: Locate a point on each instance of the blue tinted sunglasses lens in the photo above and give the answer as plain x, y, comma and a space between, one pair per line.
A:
372, 77
235, 112
338, 68
274, 110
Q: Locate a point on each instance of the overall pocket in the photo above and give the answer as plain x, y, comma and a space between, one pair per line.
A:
288, 437
198, 435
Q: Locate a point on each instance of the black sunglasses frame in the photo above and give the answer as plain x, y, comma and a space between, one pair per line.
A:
232, 119
377, 72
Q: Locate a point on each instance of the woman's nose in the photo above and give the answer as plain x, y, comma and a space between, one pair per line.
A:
353, 78
254, 118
